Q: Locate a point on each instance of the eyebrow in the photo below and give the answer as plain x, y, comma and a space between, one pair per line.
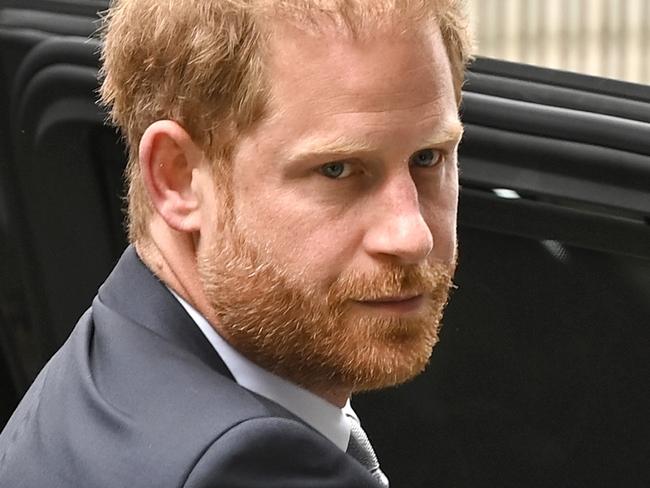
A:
343, 145
450, 132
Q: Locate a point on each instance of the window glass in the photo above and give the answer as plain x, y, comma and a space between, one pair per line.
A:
609, 38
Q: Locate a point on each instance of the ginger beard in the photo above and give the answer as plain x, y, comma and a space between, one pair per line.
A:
311, 336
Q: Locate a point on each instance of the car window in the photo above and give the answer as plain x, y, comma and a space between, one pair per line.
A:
608, 38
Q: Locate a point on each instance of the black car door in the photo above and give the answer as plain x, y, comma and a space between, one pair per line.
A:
539, 378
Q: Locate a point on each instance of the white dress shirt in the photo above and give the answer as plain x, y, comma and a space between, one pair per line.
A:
323, 416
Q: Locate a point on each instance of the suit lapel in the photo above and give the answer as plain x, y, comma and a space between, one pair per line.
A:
134, 292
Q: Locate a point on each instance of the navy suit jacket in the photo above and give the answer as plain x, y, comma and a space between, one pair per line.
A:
137, 397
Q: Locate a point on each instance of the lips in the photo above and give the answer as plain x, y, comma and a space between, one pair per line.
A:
395, 304
392, 299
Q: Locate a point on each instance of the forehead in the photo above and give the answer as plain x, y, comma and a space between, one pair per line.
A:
389, 85
386, 67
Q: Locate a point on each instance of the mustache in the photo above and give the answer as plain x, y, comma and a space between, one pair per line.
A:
392, 280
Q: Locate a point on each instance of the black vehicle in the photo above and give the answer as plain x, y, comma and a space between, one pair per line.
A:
540, 378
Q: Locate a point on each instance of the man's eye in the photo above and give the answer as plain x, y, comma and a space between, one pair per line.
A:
426, 158
336, 170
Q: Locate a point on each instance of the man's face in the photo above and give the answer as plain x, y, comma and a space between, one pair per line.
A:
334, 260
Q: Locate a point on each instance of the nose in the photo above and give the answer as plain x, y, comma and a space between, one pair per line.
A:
399, 231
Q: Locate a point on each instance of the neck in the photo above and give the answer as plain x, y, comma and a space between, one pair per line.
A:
336, 396
172, 257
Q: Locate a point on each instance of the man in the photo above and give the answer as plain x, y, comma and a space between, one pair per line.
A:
292, 208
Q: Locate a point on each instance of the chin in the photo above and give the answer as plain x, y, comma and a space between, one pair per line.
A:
386, 354
394, 369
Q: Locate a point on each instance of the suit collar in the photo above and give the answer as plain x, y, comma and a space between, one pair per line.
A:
134, 292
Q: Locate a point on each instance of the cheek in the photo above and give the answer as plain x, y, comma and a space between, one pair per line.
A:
302, 238
440, 213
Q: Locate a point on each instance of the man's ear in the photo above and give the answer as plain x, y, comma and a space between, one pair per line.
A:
170, 162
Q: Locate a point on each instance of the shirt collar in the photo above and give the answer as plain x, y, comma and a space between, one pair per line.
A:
321, 415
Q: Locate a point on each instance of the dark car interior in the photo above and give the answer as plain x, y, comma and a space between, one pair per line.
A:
540, 378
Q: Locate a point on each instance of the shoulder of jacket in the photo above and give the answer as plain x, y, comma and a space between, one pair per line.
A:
275, 452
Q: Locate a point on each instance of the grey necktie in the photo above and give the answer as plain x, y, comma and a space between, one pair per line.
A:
360, 449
